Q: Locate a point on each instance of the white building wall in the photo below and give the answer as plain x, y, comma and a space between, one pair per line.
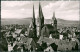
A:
50, 36
37, 31
10, 48
61, 37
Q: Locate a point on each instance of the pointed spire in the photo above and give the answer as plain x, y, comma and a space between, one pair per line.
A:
41, 15
33, 11
41, 19
33, 20
53, 19
39, 10
32, 26
54, 14
34, 23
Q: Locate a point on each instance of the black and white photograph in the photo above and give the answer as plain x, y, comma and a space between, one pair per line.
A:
40, 26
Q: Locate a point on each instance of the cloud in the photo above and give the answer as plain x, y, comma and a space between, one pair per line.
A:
11, 5
68, 15
50, 8
16, 13
14, 3
69, 5
15, 9
68, 10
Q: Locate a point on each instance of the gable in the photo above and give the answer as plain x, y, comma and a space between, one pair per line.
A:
45, 31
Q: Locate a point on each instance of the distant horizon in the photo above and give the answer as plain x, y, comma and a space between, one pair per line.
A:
36, 18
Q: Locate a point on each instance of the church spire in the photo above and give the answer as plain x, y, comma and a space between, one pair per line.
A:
32, 27
54, 22
53, 18
39, 11
33, 19
41, 15
41, 19
34, 24
54, 14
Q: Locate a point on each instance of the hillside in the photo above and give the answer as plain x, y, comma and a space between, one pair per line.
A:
15, 21
64, 23
27, 21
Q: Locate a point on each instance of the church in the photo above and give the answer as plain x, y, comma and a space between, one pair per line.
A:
38, 29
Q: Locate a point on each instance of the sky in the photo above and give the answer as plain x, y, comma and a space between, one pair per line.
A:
68, 10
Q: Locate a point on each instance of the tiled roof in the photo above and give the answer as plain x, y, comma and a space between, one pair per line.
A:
18, 31
50, 27
27, 42
18, 43
3, 30
62, 44
14, 35
26, 39
45, 39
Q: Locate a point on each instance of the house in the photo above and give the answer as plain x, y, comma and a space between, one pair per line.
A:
18, 31
26, 33
10, 48
18, 47
62, 44
61, 37
49, 49
29, 43
45, 39
14, 35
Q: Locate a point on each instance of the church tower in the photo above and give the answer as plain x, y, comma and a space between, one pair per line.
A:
32, 28
40, 21
54, 22
34, 24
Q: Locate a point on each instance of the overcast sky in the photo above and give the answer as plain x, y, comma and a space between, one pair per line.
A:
68, 10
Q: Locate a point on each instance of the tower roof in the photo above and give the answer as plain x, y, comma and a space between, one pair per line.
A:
54, 18
41, 17
33, 19
40, 11
53, 14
